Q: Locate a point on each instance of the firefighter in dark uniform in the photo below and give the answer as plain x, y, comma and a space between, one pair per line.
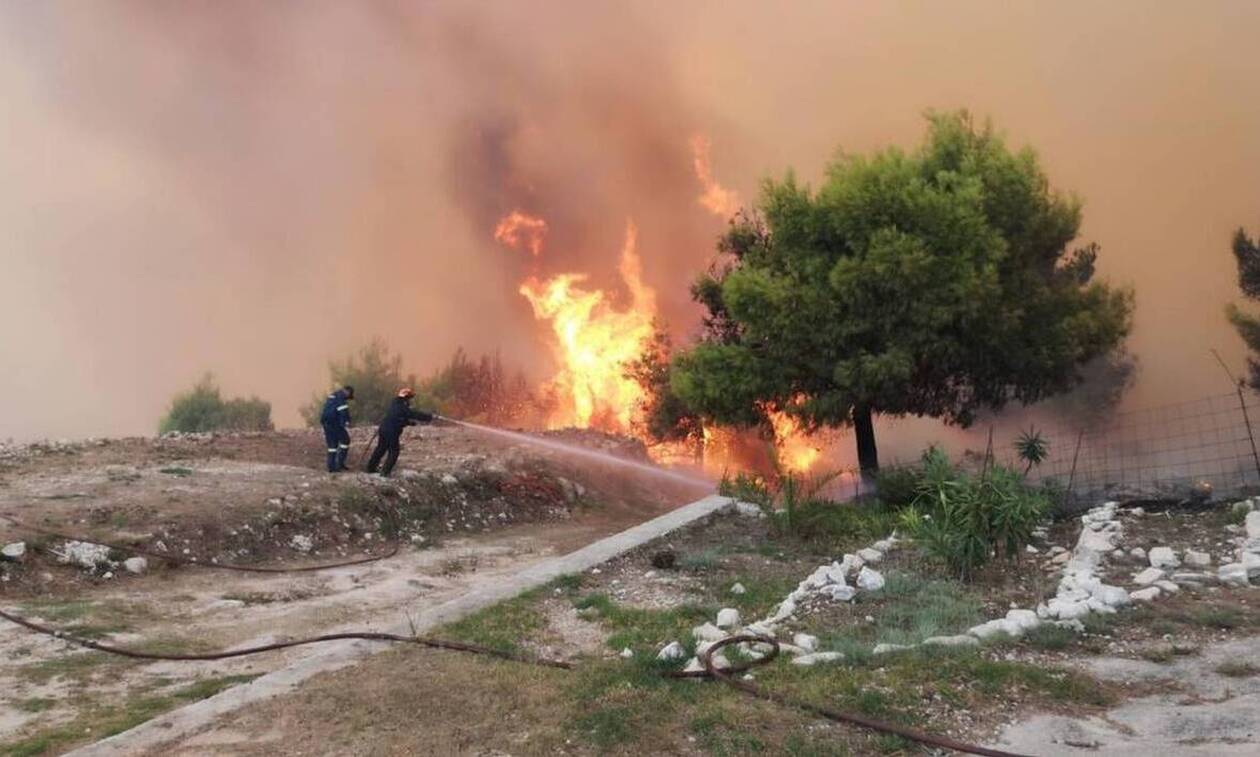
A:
397, 417
336, 422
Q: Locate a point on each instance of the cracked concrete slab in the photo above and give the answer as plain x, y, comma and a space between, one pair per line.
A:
1209, 714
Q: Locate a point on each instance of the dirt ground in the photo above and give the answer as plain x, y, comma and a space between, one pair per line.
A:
465, 510
1129, 668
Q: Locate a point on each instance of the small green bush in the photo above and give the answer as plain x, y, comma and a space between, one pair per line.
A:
897, 486
746, 488
203, 408
965, 520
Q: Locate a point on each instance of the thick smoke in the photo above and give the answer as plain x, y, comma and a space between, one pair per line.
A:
254, 188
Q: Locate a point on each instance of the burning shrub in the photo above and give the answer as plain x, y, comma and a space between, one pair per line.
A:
203, 408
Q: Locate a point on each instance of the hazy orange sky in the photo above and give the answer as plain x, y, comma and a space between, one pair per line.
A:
254, 188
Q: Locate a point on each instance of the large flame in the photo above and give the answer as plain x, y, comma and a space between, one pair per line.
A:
594, 339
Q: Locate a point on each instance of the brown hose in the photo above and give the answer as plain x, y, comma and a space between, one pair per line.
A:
922, 737
710, 671
393, 550
137, 654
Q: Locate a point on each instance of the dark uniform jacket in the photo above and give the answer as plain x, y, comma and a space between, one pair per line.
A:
399, 416
336, 410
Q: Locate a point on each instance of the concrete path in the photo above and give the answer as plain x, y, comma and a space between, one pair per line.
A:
184, 721
1209, 714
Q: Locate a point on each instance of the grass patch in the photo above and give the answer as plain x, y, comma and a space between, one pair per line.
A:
1050, 637
915, 609
75, 665
1235, 669
34, 704
761, 595
644, 630
84, 618
1159, 655
176, 471
503, 626
699, 561
103, 722
1225, 618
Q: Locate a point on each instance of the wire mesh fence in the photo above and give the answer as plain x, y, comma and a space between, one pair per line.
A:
1172, 451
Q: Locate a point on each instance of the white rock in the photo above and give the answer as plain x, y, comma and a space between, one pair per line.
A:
1112, 596
1061, 558
839, 593
1168, 587
1138, 553
1026, 620
889, 648
1030, 549
709, 632
1190, 577
851, 564
1066, 609
1149, 594
806, 641
135, 565
727, 617
449, 479
749, 510
1197, 559
791, 649
627, 653
1163, 557
870, 580
961, 640
1149, 576
993, 628
870, 556
817, 657
302, 543
1251, 563
738, 589
885, 545
1233, 574
15, 551
693, 666
1056, 550
84, 554
672, 651
1252, 524
786, 608
760, 628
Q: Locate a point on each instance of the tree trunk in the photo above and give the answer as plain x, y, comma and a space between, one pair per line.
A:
864, 429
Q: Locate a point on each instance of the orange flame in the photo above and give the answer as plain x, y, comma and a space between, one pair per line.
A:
517, 228
717, 199
594, 340
797, 453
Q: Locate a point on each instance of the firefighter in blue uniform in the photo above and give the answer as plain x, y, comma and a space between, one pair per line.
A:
389, 434
336, 422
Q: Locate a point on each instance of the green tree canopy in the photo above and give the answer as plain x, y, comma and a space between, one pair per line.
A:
203, 408
931, 283
1247, 256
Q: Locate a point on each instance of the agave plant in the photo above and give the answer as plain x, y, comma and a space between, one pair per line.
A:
1032, 448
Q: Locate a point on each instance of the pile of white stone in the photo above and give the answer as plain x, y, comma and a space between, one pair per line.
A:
1247, 567
96, 557
828, 582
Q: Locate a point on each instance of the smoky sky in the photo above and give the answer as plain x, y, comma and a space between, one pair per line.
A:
254, 188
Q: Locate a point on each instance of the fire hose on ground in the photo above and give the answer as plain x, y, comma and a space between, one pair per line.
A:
725, 675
